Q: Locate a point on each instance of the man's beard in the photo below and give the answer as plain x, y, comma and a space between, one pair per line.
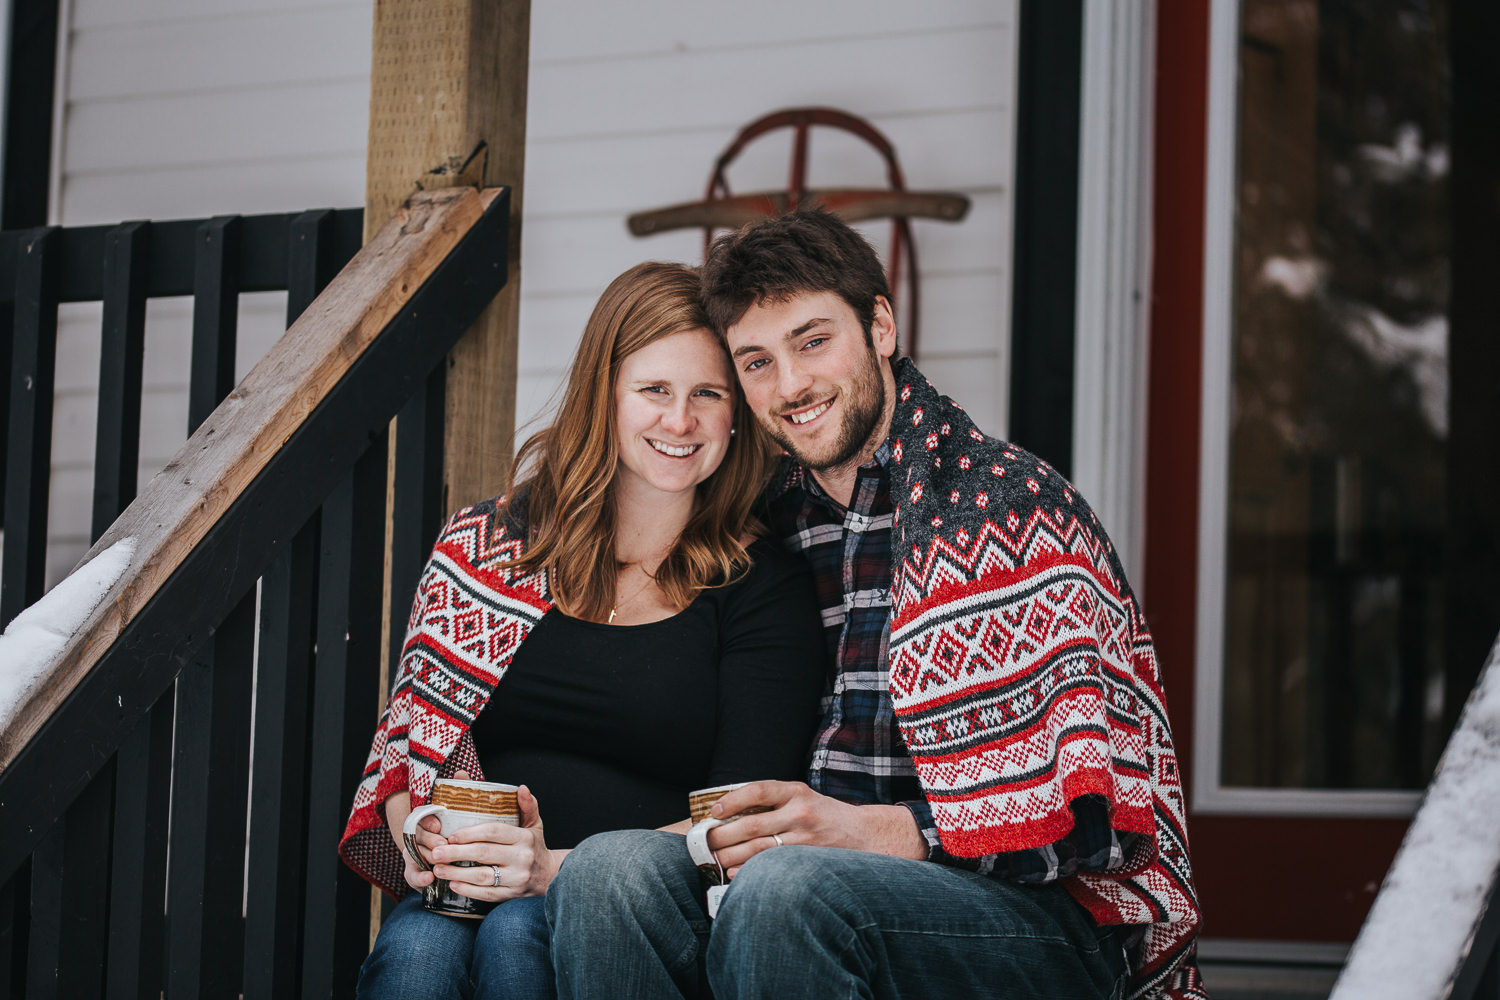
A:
863, 406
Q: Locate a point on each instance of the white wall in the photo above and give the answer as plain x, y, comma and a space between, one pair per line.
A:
185, 108
631, 104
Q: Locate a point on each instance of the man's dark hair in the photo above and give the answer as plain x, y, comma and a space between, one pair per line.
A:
774, 260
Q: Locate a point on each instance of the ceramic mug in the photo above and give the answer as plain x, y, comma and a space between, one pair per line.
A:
699, 804
459, 804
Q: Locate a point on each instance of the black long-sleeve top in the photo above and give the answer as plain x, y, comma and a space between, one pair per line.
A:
612, 725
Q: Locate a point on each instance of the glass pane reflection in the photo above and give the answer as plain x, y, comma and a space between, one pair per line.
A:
1334, 636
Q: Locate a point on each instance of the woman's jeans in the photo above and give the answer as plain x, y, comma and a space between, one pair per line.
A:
423, 955
627, 919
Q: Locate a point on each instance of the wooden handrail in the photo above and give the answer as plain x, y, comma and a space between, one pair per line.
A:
1434, 927
182, 503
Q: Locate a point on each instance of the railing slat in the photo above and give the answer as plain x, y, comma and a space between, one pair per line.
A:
68, 904
29, 449
15, 919
344, 705
44, 931
84, 892
310, 264
204, 943
273, 902
211, 754
7, 349
210, 771
417, 502
215, 316
122, 350
137, 926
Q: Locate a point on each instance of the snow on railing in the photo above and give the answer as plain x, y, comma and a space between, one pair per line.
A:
1421, 933
38, 636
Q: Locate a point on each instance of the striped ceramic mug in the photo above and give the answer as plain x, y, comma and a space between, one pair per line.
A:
457, 804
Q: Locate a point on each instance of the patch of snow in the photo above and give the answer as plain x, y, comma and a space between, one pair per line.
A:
1406, 157
1421, 925
1437, 161
1421, 348
36, 637
1298, 277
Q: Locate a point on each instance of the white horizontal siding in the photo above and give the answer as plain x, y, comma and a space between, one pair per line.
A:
97, 14
186, 108
286, 49
563, 30
199, 190
906, 73
208, 130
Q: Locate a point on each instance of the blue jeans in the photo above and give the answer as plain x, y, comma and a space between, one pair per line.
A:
421, 954
627, 919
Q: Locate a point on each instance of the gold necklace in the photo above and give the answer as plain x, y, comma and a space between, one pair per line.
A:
638, 592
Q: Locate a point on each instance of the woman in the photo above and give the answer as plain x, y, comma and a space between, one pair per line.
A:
611, 637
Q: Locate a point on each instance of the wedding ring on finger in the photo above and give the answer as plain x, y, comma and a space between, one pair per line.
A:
496, 870
779, 842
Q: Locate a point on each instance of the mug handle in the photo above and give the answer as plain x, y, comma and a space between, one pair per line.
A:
697, 845
409, 833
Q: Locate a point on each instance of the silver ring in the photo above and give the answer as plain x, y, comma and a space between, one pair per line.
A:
496, 869
779, 842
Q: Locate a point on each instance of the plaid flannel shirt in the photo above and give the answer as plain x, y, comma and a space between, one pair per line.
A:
858, 755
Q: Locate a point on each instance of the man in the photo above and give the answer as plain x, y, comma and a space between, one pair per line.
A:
992, 805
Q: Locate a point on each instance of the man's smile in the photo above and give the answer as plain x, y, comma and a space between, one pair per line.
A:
810, 413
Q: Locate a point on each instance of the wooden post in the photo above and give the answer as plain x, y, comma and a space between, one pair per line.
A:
448, 107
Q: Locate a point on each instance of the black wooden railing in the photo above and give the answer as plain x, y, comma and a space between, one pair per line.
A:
213, 260
153, 747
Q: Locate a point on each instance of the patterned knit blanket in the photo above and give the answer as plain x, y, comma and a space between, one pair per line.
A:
467, 621
1024, 676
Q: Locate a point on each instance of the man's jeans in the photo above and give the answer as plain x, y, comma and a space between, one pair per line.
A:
627, 919
421, 955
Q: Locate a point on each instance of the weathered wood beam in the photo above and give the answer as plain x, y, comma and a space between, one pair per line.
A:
184, 501
448, 107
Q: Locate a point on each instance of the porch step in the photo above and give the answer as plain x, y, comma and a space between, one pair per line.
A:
1239, 981
1264, 970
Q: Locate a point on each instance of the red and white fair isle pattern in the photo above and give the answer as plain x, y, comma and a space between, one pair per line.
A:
1024, 676
466, 622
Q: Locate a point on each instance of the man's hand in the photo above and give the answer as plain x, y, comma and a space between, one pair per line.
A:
800, 815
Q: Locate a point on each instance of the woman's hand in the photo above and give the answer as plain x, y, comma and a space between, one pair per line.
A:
518, 855
429, 836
